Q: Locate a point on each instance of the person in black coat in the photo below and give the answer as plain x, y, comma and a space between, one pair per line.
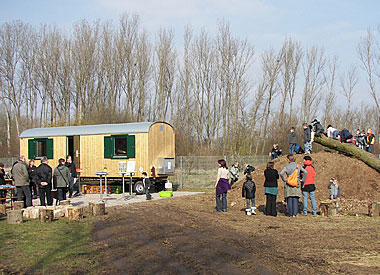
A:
32, 172
271, 189
249, 192
3, 194
73, 171
43, 178
146, 182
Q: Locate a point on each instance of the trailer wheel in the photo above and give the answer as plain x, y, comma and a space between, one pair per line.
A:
139, 188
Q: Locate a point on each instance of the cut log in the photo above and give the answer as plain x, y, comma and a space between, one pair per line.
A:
75, 213
329, 208
27, 212
15, 216
65, 202
97, 208
374, 209
350, 149
59, 213
65, 210
17, 205
46, 215
3, 209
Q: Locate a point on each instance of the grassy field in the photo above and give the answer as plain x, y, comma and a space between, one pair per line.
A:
62, 247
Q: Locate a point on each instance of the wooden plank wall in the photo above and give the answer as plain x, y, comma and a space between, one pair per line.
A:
92, 155
161, 143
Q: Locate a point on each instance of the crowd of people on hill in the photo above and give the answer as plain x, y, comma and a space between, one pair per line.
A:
32, 182
362, 139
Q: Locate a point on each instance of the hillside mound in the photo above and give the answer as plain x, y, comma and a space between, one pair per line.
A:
358, 182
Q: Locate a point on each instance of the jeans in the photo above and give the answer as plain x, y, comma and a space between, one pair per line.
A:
224, 202
45, 191
62, 193
147, 193
292, 147
369, 148
24, 194
292, 206
270, 207
313, 202
71, 187
307, 147
335, 134
251, 202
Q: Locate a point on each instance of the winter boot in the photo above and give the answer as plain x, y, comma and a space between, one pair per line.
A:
253, 210
248, 212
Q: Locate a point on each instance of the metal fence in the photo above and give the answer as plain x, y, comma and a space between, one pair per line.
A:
200, 171
8, 162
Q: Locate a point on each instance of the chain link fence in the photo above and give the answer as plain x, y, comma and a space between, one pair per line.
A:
8, 162
200, 171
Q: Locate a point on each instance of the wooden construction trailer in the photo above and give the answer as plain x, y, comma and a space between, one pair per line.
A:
107, 147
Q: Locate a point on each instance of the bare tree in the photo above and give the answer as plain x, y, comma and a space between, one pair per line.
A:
313, 67
330, 96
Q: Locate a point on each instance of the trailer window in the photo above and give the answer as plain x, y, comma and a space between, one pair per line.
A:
120, 146
41, 148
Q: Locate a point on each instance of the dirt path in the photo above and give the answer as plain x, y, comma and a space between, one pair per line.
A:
185, 236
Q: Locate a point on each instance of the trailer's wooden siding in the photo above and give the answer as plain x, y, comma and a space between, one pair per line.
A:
161, 143
92, 155
59, 145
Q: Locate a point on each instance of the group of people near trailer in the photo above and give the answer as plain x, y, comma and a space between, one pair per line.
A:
32, 182
298, 181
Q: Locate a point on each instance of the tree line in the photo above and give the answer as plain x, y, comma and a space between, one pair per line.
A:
218, 93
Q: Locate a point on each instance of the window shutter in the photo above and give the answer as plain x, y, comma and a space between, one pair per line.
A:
131, 151
32, 149
49, 148
108, 147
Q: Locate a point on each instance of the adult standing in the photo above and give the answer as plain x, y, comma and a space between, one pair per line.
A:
271, 189
292, 140
3, 193
222, 186
308, 186
21, 180
43, 179
61, 179
73, 170
32, 172
234, 172
292, 189
306, 138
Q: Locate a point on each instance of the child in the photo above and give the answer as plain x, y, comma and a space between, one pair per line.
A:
276, 152
334, 189
248, 192
332, 132
234, 173
370, 140
292, 140
362, 140
248, 169
146, 183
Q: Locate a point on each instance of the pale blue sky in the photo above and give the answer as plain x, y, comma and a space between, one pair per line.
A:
335, 24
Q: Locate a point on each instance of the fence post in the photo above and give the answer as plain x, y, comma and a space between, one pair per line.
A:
180, 165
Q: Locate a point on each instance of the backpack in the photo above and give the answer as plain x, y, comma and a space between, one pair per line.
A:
292, 180
344, 135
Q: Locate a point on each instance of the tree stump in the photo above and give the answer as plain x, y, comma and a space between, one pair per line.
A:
3, 209
374, 209
15, 216
328, 208
97, 208
17, 205
59, 213
65, 202
75, 213
46, 215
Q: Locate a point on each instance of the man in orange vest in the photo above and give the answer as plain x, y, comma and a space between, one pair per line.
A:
308, 187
